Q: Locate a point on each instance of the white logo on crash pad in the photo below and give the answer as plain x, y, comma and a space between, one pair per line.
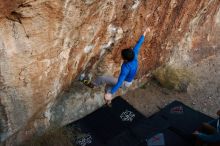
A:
127, 116
84, 140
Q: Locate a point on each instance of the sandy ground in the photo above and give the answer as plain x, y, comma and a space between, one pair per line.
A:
151, 97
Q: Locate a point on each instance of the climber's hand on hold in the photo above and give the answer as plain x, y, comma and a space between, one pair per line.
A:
146, 31
108, 96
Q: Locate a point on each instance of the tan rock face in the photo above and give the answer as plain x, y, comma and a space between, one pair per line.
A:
46, 44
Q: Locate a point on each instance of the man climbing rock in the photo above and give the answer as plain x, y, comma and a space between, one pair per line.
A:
127, 74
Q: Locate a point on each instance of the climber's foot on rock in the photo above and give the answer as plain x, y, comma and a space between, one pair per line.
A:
88, 83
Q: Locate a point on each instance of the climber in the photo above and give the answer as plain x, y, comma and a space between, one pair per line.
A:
209, 132
128, 71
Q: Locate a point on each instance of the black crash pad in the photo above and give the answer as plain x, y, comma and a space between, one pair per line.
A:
126, 138
149, 127
122, 125
183, 119
124, 112
107, 123
166, 137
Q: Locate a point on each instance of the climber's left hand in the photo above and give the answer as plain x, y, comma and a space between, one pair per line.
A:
108, 96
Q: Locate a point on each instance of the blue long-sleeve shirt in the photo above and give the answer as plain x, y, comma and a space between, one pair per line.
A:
129, 69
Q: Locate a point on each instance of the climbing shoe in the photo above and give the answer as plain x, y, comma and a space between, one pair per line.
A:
88, 83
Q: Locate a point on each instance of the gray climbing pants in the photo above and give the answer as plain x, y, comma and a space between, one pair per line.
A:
109, 81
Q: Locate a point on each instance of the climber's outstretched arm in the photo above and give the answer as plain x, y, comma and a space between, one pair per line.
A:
140, 42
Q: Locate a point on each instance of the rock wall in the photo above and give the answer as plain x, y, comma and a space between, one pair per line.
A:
46, 44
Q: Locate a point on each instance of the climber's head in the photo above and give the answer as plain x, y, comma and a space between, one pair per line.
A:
127, 54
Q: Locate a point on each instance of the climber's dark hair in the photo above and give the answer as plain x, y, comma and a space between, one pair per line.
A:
127, 54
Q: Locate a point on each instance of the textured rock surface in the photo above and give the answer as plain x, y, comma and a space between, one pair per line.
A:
46, 44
